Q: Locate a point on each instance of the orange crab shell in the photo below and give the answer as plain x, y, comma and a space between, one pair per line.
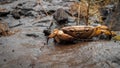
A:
86, 32
82, 32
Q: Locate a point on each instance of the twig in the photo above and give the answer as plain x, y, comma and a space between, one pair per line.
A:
79, 14
87, 18
39, 2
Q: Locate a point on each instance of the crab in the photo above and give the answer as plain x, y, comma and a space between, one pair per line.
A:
71, 33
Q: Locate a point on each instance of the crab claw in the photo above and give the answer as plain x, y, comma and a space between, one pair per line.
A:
113, 34
52, 35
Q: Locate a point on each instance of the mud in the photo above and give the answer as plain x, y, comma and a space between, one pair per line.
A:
28, 49
25, 52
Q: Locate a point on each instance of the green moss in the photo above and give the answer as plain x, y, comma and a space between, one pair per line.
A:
117, 38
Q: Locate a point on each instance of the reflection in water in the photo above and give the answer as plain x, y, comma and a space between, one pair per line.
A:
81, 53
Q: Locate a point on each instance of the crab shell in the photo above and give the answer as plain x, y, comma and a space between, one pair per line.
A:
86, 32
79, 32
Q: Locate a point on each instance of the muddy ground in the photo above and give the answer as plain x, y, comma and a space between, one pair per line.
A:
28, 49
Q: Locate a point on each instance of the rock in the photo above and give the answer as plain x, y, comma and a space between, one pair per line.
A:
56, 1
25, 9
23, 12
29, 5
3, 12
110, 16
32, 13
32, 35
6, 1
15, 14
60, 16
18, 13
116, 18
16, 25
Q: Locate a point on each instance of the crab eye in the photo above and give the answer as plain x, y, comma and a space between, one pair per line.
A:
60, 32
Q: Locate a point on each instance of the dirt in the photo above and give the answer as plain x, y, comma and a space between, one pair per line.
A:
28, 49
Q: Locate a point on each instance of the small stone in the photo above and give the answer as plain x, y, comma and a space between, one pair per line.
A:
4, 60
13, 50
32, 65
16, 14
115, 41
32, 35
